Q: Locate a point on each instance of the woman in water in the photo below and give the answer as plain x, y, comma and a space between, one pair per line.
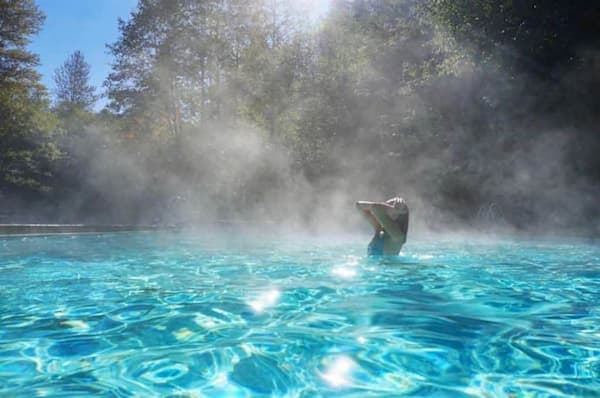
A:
390, 220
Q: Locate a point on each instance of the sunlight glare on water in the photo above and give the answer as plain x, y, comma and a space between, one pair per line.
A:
339, 372
155, 314
265, 300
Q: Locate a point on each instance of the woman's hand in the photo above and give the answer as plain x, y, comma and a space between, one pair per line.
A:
365, 209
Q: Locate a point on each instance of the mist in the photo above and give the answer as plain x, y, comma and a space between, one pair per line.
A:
242, 115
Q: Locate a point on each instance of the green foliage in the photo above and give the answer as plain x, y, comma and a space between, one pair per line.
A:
231, 101
179, 62
532, 35
27, 147
412, 84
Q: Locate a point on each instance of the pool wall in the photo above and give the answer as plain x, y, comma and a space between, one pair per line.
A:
51, 229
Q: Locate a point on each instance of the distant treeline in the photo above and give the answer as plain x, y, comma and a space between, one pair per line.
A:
480, 113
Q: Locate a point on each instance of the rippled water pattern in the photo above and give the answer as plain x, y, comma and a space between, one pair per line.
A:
150, 314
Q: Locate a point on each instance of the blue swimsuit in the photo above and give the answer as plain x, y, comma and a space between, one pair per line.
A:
376, 245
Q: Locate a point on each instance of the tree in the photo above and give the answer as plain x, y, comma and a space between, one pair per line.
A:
179, 62
26, 148
72, 81
535, 36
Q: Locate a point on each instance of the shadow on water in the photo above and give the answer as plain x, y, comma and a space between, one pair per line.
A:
396, 261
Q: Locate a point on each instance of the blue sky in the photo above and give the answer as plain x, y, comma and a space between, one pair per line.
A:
85, 25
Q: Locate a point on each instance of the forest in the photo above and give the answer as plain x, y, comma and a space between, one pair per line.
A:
483, 114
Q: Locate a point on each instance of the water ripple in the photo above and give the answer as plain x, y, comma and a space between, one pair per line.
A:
194, 315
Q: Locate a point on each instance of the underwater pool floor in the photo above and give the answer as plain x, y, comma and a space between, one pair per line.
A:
171, 314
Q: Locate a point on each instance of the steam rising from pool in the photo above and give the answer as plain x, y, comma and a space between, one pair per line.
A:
234, 172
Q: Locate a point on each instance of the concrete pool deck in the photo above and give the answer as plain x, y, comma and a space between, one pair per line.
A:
54, 229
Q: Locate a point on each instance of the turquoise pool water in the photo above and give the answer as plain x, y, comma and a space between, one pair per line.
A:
165, 314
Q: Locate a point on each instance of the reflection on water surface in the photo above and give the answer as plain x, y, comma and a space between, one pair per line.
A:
188, 315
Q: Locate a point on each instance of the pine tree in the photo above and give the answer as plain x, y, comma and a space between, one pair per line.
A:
26, 150
72, 81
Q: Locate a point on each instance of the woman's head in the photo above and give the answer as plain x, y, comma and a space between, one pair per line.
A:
399, 207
